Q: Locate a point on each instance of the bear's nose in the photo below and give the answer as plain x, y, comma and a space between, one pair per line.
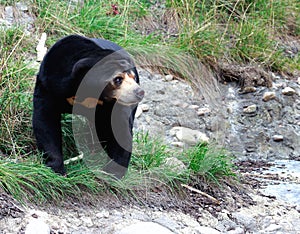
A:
139, 93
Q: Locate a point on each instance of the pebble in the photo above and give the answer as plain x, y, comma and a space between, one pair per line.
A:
269, 96
189, 136
138, 112
145, 228
178, 144
278, 138
248, 89
288, 91
175, 165
272, 228
207, 230
203, 111
250, 109
168, 78
37, 226
145, 107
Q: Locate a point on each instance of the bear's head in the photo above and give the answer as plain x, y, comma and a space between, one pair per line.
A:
124, 89
113, 78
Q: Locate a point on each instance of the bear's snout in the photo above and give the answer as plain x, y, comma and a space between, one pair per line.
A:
139, 93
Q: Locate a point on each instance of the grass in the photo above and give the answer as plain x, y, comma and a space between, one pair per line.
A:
29, 179
189, 38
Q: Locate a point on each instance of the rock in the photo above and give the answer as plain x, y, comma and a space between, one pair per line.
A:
269, 96
41, 49
189, 136
298, 80
168, 78
194, 107
272, 228
37, 226
138, 112
245, 220
206, 230
203, 111
144, 107
288, 91
277, 138
22, 6
250, 109
145, 228
248, 89
175, 165
237, 230
177, 144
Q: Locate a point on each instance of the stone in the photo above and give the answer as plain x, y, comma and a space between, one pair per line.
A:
189, 136
22, 6
145, 228
168, 77
250, 109
145, 107
272, 228
237, 230
245, 220
269, 96
278, 138
203, 111
194, 107
138, 112
178, 144
206, 230
175, 165
41, 49
248, 89
37, 226
288, 91
298, 80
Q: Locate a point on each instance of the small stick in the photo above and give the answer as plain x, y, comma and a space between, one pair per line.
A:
202, 193
68, 161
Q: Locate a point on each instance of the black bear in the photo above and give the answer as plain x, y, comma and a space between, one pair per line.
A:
91, 77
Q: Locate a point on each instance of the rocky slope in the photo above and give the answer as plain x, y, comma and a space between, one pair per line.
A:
258, 122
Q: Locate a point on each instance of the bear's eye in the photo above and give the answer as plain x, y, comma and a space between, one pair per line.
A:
118, 80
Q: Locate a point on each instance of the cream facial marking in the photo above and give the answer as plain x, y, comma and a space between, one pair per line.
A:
127, 91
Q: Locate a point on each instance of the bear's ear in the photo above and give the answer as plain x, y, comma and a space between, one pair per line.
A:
81, 67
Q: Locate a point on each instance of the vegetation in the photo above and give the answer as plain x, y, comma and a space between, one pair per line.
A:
179, 36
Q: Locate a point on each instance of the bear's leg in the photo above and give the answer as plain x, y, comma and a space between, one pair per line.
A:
115, 133
47, 130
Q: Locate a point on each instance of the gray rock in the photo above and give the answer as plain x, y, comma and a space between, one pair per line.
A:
278, 138
203, 111
272, 228
37, 226
145, 107
138, 112
178, 144
245, 220
145, 228
269, 96
250, 109
189, 136
168, 78
288, 91
175, 165
22, 6
207, 230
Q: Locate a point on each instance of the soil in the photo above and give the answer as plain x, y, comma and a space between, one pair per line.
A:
229, 195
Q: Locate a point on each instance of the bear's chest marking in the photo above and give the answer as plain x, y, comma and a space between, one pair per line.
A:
88, 102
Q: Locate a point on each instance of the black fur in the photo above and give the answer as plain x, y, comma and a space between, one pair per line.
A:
60, 74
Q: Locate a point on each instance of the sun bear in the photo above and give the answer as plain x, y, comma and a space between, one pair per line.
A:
95, 78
